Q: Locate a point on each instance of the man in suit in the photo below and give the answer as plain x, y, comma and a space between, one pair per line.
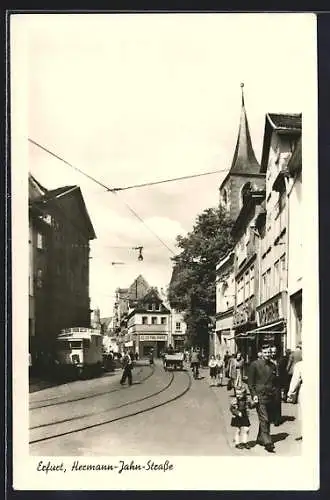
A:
261, 382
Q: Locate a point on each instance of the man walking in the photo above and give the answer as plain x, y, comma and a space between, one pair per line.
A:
261, 382
277, 414
195, 361
127, 368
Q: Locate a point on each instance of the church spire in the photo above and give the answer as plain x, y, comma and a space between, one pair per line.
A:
244, 160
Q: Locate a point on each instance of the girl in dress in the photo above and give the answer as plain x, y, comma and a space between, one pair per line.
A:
220, 369
240, 420
213, 370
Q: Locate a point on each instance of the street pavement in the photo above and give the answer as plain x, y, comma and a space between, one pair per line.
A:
197, 422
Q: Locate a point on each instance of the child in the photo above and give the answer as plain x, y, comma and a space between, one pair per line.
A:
213, 370
240, 419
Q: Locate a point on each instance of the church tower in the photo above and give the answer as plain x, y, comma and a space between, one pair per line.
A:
244, 173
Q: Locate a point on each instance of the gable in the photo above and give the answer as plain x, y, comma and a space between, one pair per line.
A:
71, 206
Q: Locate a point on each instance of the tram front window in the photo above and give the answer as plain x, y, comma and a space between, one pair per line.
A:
76, 344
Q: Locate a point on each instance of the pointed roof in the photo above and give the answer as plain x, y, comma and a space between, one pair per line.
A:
244, 160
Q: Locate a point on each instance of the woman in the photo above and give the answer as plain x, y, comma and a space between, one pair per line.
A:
213, 365
236, 370
220, 369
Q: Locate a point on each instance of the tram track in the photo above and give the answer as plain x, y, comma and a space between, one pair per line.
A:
89, 396
139, 402
107, 410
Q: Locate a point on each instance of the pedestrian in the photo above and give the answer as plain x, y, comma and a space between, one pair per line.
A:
261, 381
259, 355
127, 368
136, 355
285, 377
213, 370
240, 419
295, 356
226, 360
295, 390
236, 370
195, 361
220, 369
277, 413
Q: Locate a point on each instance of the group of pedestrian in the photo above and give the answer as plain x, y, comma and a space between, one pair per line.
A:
265, 386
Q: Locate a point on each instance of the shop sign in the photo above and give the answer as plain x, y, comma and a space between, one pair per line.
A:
178, 337
144, 338
244, 313
270, 312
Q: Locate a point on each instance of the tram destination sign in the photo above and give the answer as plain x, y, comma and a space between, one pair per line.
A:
145, 338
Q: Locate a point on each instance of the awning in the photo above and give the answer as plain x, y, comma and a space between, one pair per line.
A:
269, 328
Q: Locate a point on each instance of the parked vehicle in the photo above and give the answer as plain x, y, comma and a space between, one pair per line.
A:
174, 361
80, 350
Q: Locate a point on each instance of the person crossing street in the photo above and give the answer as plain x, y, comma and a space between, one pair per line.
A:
127, 368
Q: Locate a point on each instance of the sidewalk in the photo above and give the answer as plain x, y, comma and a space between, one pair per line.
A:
284, 436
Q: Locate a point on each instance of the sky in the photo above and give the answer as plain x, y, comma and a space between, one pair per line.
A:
139, 98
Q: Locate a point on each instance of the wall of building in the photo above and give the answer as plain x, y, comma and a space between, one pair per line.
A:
295, 263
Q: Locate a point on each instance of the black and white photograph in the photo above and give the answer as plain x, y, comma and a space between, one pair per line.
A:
165, 255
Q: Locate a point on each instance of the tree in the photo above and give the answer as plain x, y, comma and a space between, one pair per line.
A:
193, 284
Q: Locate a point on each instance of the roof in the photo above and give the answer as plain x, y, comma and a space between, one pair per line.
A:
285, 120
55, 193
41, 195
282, 123
244, 159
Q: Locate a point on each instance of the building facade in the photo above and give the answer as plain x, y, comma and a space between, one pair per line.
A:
223, 338
246, 272
295, 255
60, 230
282, 131
148, 325
264, 201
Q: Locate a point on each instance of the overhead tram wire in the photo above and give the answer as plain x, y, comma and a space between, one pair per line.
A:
105, 187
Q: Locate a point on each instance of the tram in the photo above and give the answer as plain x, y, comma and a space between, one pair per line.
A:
80, 351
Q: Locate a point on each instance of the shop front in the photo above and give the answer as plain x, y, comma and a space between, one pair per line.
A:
244, 324
271, 323
157, 343
178, 342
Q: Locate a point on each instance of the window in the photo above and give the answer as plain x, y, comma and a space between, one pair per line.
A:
39, 278
277, 277
76, 344
154, 320
144, 320
252, 281
263, 291
268, 283
178, 326
282, 272
163, 321
40, 241
157, 307
149, 307
247, 285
